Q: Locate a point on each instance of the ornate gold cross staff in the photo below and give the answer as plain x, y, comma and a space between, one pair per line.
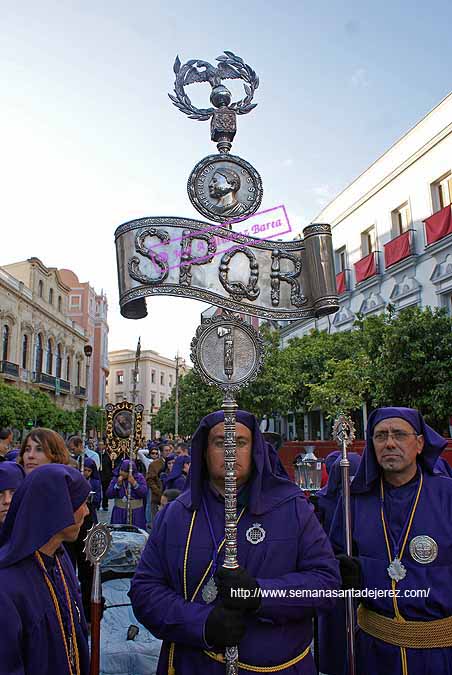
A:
344, 435
242, 360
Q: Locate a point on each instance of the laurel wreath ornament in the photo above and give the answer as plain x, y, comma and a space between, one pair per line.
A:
230, 66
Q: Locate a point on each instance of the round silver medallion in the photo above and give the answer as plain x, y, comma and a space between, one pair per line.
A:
255, 534
225, 188
423, 549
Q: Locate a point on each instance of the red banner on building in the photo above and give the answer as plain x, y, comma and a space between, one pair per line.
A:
365, 268
439, 225
340, 283
397, 249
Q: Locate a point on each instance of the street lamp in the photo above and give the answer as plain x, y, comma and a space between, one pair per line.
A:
88, 352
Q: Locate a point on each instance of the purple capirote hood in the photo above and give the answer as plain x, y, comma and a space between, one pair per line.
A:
369, 470
266, 489
43, 504
11, 476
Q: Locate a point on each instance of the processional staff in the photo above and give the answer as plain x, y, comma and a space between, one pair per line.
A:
344, 435
97, 543
132, 434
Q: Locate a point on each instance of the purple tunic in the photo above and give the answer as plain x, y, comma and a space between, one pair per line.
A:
31, 642
119, 515
295, 554
433, 518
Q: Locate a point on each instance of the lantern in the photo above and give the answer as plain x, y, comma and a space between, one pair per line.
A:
308, 470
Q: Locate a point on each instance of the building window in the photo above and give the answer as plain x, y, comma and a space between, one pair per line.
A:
24, 350
152, 376
79, 369
340, 259
58, 361
5, 342
152, 401
401, 219
75, 301
170, 377
49, 364
441, 192
40, 288
51, 296
162, 378
39, 350
368, 241
120, 377
68, 368
162, 399
59, 303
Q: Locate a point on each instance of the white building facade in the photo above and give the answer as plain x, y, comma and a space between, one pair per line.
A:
156, 379
392, 230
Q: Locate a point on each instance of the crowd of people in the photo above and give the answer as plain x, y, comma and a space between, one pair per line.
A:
292, 560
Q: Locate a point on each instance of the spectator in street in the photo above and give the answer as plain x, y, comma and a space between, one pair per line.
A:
169, 496
6, 439
75, 445
181, 449
92, 476
177, 479
42, 446
11, 476
44, 629
153, 479
169, 464
118, 490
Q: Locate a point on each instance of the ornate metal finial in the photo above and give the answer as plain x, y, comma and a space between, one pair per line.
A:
97, 543
223, 118
343, 430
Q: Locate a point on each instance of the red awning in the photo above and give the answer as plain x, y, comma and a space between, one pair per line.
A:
340, 283
365, 268
439, 225
397, 249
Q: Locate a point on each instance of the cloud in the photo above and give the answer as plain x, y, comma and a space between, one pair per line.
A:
359, 78
287, 162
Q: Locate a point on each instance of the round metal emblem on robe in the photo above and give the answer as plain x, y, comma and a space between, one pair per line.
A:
225, 188
255, 534
423, 549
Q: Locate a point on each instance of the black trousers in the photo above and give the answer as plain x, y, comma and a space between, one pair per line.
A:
83, 568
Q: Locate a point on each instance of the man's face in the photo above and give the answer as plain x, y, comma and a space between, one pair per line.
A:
398, 452
34, 456
177, 451
5, 502
219, 186
215, 453
71, 533
75, 449
166, 451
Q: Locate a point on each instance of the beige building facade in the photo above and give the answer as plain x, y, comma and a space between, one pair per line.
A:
41, 347
156, 379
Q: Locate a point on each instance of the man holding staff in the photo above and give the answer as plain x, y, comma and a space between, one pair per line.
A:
182, 594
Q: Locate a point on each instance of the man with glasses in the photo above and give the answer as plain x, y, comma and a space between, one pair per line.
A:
182, 594
402, 540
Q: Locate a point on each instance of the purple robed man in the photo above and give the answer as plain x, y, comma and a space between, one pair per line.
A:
281, 549
332, 623
11, 476
117, 490
43, 626
402, 533
177, 478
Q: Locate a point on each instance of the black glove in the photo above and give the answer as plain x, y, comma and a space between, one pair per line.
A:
351, 574
237, 589
224, 627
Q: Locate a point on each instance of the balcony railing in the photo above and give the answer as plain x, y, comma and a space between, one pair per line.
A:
80, 392
8, 368
367, 267
45, 379
439, 225
65, 386
399, 248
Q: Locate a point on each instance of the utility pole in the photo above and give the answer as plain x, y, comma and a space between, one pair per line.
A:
176, 412
88, 352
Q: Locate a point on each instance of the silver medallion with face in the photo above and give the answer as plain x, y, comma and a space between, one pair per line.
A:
423, 549
225, 188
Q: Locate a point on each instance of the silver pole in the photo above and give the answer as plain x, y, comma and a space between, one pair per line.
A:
229, 407
132, 433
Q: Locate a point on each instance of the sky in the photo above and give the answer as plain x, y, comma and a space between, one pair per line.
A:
89, 138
